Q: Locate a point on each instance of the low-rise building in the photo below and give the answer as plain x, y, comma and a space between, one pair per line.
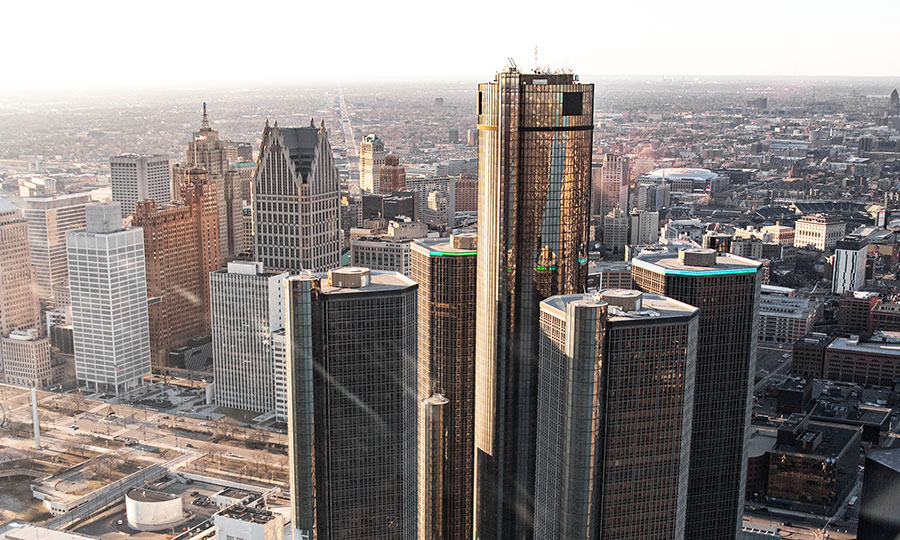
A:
854, 312
242, 522
25, 358
809, 355
876, 361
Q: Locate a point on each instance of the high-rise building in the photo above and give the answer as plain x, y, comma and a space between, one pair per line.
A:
181, 246
19, 309
371, 159
108, 288
247, 308
49, 219
296, 201
615, 230
610, 184
392, 176
880, 495
466, 193
644, 228
445, 270
350, 342
534, 171
25, 359
136, 178
207, 151
849, 268
726, 289
615, 367
434, 466
818, 232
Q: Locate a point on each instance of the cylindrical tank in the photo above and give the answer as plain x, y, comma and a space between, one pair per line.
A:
149, 510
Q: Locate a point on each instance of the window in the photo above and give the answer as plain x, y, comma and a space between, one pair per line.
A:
572, 104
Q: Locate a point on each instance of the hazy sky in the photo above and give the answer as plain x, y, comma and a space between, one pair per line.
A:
54, 45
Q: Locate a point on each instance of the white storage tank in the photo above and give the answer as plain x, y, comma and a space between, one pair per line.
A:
149, 510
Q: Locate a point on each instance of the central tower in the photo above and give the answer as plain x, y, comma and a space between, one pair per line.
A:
534, 182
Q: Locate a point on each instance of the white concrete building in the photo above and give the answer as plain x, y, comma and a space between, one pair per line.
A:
818, 232
135, 178
371, 159
108, 289
644, 228
249, 523
783, 316
25, 359
381, 253
49, 219
849, 268
247, 308
279, 371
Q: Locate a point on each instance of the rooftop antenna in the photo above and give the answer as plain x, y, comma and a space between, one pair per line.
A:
205, 123
512, 64
537, 69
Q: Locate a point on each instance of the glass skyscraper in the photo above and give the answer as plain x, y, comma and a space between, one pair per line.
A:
534, 167
350, 344
726, 289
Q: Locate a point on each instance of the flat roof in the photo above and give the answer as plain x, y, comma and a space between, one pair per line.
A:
248, 513
670, 264
844, 344
379, 281
761, 441
889, 458
835, 438
149, 495
33, 532
653, 306
438, 247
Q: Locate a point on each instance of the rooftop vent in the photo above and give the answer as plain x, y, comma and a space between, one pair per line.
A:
697, 257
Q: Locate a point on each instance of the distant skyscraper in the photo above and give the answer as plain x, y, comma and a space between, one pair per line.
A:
534, 161
894, 102
644, 228
726, 289
350, 342
445, 270
108, 290
207, 151
453, 136
136, 178
615, 230
392, 176
296, 201
610, 184
371, 158
247, 308
615, 367
181, 245
19, 309
49, 219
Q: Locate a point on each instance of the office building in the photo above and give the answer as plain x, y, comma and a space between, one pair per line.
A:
25, 359
813, 464
534, 170
644, 228
108, 288
781, 234
207, 151
423, 188
808, 356
652, 197
855, 312
875, 362
615, 230
445, 269
785, 317
726, 289
49, 219
381, 253
616, 393
849, 268
247, 308
610, 184
181, 247
392, 176
296, 201
466, 193
818, 231
880, 496
136, 178
884, 316
350, 343
434, 472
19, 309
371, 160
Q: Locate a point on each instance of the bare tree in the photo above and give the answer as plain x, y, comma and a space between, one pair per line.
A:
78, 401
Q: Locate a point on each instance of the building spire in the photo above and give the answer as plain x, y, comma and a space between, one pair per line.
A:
205, 123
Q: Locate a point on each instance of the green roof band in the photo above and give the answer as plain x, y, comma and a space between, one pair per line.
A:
451, 254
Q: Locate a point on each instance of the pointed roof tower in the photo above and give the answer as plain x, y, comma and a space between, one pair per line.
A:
204, 124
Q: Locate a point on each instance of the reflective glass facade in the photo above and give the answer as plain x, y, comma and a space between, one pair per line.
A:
446, 278
351, 365
534, 182
727, 294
